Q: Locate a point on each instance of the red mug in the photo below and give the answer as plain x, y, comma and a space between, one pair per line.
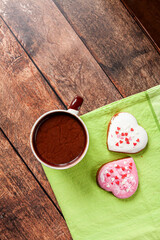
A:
59, 139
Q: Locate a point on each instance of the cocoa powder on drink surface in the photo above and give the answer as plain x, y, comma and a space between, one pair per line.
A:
59, 138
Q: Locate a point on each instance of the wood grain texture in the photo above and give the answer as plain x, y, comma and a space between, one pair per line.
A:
24, 96
147, 13
116, 41
26, 212
58, 51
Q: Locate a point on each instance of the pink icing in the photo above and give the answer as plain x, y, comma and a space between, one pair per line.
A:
119, 177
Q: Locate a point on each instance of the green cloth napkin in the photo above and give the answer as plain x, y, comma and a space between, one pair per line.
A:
94, 214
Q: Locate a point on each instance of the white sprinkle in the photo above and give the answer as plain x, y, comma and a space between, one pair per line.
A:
102, 177
112, 179
127, 175
108, 185
127, 190
131, 177
124, 162
115, 165
124, 181
126, 167
128, 172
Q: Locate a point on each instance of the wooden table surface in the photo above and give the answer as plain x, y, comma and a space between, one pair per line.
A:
51, 51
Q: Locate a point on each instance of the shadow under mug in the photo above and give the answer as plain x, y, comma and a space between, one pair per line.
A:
72, 111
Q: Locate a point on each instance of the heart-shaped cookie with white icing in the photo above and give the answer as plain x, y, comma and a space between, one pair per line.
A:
119, 177
125, 135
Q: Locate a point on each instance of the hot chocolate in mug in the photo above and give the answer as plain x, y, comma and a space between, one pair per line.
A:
59, 139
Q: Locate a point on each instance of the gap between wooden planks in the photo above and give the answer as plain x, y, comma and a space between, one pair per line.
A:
26, 212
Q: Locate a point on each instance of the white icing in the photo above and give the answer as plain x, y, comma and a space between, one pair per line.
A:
126, 121
120, 146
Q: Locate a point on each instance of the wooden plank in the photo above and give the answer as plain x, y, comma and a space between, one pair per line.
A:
25, 95
116, 41
26, 212
147, 14
58, 52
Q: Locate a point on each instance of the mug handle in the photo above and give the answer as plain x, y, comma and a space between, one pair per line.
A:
75, 105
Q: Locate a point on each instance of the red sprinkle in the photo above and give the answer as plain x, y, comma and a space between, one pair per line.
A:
117, 182
121, 141
108, 175
132, 129
116, 132
116, 177
124, 175
122, 134
134, 144
123, 168
130, 164
130, 167
117, 144
126, 134
112, 183
126, 139
128, 142
137, 140
118, 166
118, 128
111, 171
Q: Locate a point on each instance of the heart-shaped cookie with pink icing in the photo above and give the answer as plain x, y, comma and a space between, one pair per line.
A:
125, 135
119, 177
